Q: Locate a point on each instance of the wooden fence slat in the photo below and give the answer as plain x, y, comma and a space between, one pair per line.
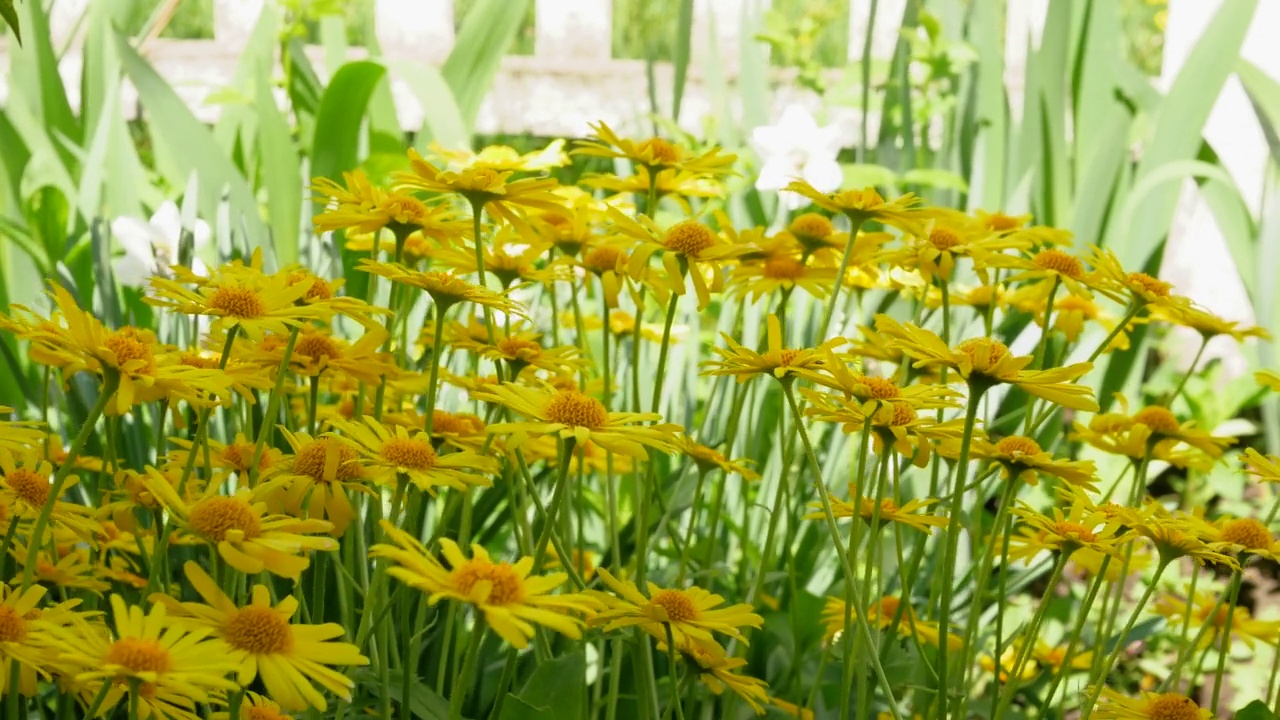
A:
415, 29
573, 29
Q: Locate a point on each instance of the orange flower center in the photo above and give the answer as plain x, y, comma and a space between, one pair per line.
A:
689, 238
783, 268
944, 238
787, 356
602, 259
261, 712
1248, 533
983, 353
572, 408
215, 516
414, 453
1172, 706
1159, 419
405, 210
13, 627
1151, 285
676, 604
319, 289
238, 302
812, 227
443, 421
259, 630
313, 457
886, 608
30, 486
1015, 446
501, 584
519, 348
237, 456
316, 346
138, 656
662, 151
903, 414
1060, 262
1001, 222
1074, 531
127, 348
878, 388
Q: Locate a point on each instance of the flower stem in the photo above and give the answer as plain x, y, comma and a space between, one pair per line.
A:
110, 382
663, 352
557, 503
857, 219
437, 347
273, 404
1204, 342
1236, 580
1076, 632
1029, 641
671, 670
1110, 662
462, 685
1130, 314
1179, 661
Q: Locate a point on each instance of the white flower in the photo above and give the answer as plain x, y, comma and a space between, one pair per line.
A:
797, 148
150, 248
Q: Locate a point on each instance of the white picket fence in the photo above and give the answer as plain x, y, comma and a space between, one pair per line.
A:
570, 79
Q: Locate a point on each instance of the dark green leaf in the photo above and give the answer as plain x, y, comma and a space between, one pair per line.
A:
684, 37
11, 18
1256, 710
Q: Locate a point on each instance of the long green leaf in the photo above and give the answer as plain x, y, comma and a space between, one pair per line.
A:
281, 174
684, 52
441, 118
11, 19
486, 33
1179, 124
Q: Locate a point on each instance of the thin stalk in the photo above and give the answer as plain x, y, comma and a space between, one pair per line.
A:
1236, 579
437, 347
1204, 342
671, 670
663, 351
1032, 635
557, 503
462, 685
1178, 662
856, 219
273, 404
1076, 632
1130, 314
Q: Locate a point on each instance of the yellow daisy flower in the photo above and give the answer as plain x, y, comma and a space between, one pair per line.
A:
653, 154
1245, 536
1151, 706
781, 273
392, 453
1207, 324
908, 514
881, 613
687, 247
1008, 663
1210, 609
18, 435
897, 424
1082, 526
902, 212
25, 491
28, 634
239, 526
708, 459
717, 671
933, 250
983, 362
1045, 264
1268, 379
1022, 458
256, 707
504, 157
1000, 222
263, 643
1263, 467
445, 289
519, 347
570, 414
692, 614
320, 475
511, 600
782, 363
669, 182
1137, 289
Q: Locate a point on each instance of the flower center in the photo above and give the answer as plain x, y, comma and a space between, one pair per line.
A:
1016, 446
13, 627
944, 238
1248, 533
1159, 419
319, 289
501, 584
214, 517
662, 151
237, 456
983, 353
259, 630
312, 459
903, 414
1159, 288
678, 606
238, 302
415, 453
886, 608
689, 238
601, 260
443, 421
811, 227
127, 348
1000, 222
782, 267
519, 348
30, 486
1172, 706
138, 656
1060, 262
787, 356
878, 388
572, 408
1074, 531
261, 712
316, 346
405, 210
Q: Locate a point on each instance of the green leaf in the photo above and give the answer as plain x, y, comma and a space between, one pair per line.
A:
866, 174
684, 37
281, 174
1256, 710
441, 118
516, 709
936, 178
1264, 94
187, 145
556, 689
485, 36
11, 18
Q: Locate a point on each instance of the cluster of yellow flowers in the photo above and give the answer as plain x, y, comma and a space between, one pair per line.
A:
317, 448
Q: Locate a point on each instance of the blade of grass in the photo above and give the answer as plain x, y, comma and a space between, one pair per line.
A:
487, 32
683, 53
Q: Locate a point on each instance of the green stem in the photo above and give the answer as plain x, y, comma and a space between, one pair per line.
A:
134, 687
663, 352
1041, 350
1236, 580
1110, 662
1204, 342
1032, 635
314, 381
273, 404
671, 670
437, 347
1130, 314
557, 503
462, 685
856, 219
1176, 676
14, 697
110, 382
1076, 632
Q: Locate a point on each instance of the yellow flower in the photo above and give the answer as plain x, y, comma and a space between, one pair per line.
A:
172, 663
571, 414
1135, 288
781, 273
509, 258
1082, 526
377, 209
25, 491
317, 352
1177, 535
1089, 563
392, 453
1022, 458
882, 614
933, 249
318, 478
74, 569
782, 363
1245, 536
28, 634
708, 459
18, 435
1008, 661
511, 600
692, 614
867, 204
688, 247
503, 157
244, 297
897, 423
446, 289
986, 362
1207, 324
717, 671
791, 709
1151, 706
1210, 609
1045, 264
1268, 379
1263, 467
521, 348
653, 154
247, 538
1164, 426
487, 188
1000, 222
890, 511
264, 644
256, 707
